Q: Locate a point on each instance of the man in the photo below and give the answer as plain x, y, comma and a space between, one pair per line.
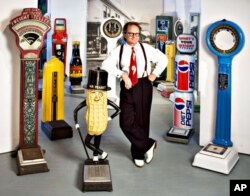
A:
131, 62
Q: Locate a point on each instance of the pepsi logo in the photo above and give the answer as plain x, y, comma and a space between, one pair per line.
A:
183, 66
179, 103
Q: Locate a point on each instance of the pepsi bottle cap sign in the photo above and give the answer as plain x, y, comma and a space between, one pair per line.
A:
186, 43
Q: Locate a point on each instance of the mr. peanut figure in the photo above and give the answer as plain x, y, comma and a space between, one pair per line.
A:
96, 115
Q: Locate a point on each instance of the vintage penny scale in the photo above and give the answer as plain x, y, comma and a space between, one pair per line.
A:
224, 39
29, 28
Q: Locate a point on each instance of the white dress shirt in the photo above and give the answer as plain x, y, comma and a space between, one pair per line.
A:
111, 63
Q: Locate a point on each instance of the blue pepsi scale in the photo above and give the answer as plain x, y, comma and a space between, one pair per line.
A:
224, 39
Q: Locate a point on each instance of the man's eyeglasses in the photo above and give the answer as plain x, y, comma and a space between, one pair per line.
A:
133, 34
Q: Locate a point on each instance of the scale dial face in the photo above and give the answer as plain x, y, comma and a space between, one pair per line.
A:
224, 39
30, 41
112, 28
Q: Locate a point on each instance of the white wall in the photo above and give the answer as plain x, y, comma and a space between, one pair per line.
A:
238, 12
169, 7
181, 9
75, 12
10, 74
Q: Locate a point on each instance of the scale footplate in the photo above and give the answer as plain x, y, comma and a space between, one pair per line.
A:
58, 129
96, 176
30, 161
179, 135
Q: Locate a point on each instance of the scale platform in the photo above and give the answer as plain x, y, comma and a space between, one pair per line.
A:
57, 129
31, 160
96, 176
216, 158
76, 89
179, 135
164, 85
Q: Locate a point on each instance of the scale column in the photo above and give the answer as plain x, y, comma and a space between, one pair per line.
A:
30, 28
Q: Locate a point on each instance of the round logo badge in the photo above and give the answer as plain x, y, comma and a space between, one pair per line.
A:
112, 28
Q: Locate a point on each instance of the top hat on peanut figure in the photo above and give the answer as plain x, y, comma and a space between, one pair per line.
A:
97, 80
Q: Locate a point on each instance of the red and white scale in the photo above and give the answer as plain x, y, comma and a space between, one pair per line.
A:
30, 29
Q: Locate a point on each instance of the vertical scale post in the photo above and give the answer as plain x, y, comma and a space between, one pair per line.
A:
59, 41
224, 39
183, 97
29, 28
52, 118
170, 51
164, 34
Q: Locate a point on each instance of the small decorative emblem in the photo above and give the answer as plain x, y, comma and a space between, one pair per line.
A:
112, 28
133, 68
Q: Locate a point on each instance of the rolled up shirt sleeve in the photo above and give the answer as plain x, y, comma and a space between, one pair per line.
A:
110, 64
160, 60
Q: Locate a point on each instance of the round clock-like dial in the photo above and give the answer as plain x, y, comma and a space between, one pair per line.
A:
224, 39
112, 28
30, 40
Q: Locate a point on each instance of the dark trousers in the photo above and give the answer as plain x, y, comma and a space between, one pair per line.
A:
94, 147
135, 105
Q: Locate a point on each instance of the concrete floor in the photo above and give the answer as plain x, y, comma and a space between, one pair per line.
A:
169, 174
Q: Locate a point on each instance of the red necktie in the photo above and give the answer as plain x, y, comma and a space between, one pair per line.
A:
133, 68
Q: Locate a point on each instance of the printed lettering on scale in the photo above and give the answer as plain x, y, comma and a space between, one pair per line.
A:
191, 75
187, 117
184, 74
186, 43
